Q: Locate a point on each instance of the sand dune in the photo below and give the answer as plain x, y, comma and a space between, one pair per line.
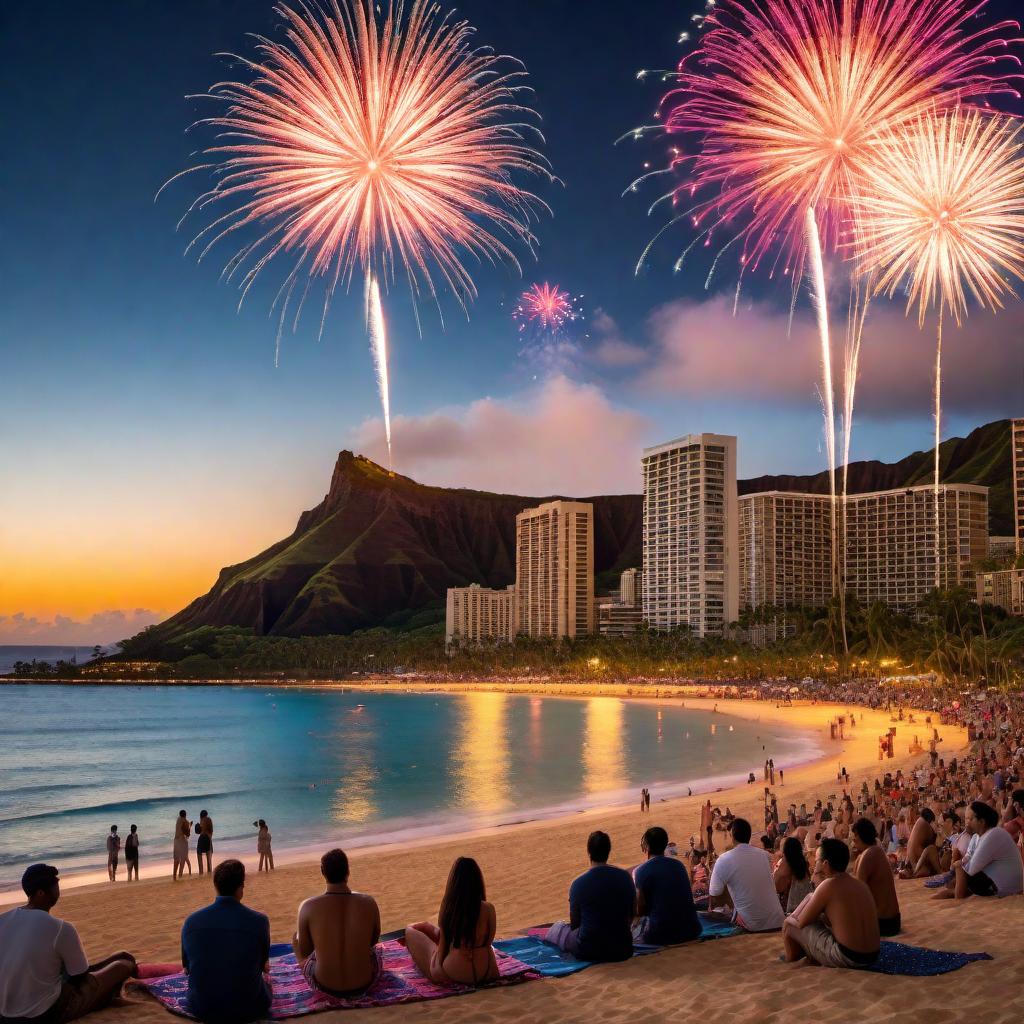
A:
528, 869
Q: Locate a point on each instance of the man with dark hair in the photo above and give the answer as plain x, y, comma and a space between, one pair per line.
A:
994, 867
335, 941
224, 950
664, 900
44, 975
872, 868
742, 879
850, 936
602, 903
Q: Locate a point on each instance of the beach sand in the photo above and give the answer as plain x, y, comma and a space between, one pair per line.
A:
528, 869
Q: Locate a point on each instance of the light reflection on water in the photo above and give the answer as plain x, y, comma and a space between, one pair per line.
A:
323, 765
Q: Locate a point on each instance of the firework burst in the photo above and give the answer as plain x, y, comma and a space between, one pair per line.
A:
788, 99
547, 308
370, 143
942, 214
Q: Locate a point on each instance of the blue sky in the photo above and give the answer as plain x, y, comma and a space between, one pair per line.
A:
146, 437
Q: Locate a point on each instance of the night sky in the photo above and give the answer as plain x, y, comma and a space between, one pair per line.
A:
146, 438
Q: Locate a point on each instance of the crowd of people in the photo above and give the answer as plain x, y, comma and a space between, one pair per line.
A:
824, 876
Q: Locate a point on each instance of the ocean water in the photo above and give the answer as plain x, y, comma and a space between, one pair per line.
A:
333, 765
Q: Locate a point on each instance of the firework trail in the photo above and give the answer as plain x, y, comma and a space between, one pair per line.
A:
547, 307
377, 329
943, 216
786, 100
377, 143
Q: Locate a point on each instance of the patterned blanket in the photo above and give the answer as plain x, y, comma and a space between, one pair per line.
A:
399, 982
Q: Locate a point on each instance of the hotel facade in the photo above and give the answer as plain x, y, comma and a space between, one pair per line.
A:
691, 534
1004, 589
888, 552
555, 570
479, 615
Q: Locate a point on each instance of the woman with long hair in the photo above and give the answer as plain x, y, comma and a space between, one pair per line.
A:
458, 948
793, 875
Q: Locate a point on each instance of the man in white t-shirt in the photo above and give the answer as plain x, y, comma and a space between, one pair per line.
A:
993, 867
742, 878
44, 973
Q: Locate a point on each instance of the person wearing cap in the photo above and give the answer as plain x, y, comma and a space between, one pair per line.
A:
44, 973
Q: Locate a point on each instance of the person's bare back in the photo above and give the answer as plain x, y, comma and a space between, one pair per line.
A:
341, 928
850, 913
874, 871
337, 933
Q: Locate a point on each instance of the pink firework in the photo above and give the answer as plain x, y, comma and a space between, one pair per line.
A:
787, 99
546, 307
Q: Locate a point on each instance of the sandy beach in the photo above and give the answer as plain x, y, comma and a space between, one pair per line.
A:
528, 868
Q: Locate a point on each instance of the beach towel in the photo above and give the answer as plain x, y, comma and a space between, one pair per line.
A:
399, 982
552, 962
918, 962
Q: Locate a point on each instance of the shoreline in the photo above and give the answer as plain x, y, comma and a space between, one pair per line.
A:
414, 836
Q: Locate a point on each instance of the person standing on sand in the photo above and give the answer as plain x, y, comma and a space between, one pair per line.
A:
113, 851
647, 800
204, 842
182, 830
131, 852
263, 846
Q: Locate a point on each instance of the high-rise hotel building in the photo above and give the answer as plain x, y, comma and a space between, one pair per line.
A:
691, 534
477, 615
890, 541
888, 548
555, 570
1017, 443
785, 550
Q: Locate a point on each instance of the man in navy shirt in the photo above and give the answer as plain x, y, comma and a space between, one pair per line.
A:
602, 902
224, 950
664, 904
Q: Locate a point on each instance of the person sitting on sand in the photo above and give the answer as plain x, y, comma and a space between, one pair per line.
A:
922, 853
664, 902
836, 926
793, 875
602, 904
44, 974
225, 949
994, 866
742, 880
263, 848
873, 869
335, 941
457, 950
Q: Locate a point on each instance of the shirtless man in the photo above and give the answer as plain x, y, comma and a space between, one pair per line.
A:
921, 863
337, 934
705, 827
836, 925
873, 870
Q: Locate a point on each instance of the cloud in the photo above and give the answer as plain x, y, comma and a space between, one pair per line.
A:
102, 628
703, 350
611, 349
562, 438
